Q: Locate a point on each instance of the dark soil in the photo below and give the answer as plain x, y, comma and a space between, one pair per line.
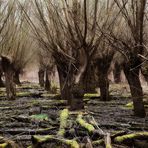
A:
112, 116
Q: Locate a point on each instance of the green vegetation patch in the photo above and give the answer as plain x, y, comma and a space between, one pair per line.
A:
24, 94
88, 95
84, 124
130, 105
4, 145
63, 121
42, 139
39, 117
128, 137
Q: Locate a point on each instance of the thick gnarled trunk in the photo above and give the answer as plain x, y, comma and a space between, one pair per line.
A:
136, 90
8, 69
71, 92
65, 87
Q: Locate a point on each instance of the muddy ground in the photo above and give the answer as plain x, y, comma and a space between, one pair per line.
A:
18, 124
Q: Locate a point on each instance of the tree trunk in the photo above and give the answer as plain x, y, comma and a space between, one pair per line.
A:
103, 66
47, 82
17, 78
136, 90
41, 77
1, 81
117, 73
69, 91
90, 80
10, 86
77, 97
104, 86
65, 88
8, 69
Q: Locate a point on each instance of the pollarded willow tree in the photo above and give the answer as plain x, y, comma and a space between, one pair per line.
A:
70, 30
130, 41
4, 15
15, 46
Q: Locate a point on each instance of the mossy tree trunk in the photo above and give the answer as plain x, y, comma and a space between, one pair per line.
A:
41, 77
133, 79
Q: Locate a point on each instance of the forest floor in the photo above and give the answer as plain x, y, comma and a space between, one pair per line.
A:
37, 112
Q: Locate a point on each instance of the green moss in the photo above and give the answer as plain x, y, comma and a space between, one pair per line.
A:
2, 94
23, 94
88, 95
4, 145
39, 117
71, 143
43, 139
120, 139
35, 102
108, 146
84, 124
63, 121
48, 95
130, 105
98, 142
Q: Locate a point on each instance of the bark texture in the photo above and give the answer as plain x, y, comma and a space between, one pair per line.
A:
9, 71
133, 79
47, 80
117, 73
17, 78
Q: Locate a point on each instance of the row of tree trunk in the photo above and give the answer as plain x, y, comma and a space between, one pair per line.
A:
44, 75
74, 92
